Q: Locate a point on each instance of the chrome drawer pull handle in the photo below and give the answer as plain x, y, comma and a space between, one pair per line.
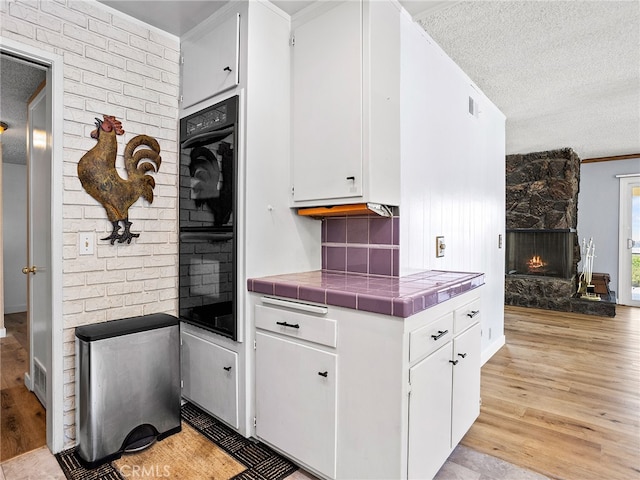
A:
455, 362
228, 369
441, 333
323, 374
473, 313
285, 324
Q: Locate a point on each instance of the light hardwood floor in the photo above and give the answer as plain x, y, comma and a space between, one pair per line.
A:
562, 397
22, 418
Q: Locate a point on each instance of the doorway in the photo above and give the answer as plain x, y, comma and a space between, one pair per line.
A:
629, 243
23, 107
44, 237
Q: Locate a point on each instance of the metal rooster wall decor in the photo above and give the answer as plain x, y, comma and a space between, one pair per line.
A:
99, 177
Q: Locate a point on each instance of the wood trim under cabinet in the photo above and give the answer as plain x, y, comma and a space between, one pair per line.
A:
607, 159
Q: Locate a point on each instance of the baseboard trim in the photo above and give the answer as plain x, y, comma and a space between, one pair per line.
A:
8, 309
492, 349
3, 332
28, 382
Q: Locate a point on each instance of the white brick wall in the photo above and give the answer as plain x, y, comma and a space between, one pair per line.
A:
113, 65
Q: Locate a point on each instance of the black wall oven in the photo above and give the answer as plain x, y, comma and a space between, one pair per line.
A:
208, 249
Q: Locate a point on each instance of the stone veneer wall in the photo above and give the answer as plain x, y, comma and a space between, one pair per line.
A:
542, 190
542, 194
118, 66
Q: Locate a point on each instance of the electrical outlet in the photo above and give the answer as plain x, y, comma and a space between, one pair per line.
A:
440, 246
86, 240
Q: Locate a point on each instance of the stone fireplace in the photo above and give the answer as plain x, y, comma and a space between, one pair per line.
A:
542, 253
542, 249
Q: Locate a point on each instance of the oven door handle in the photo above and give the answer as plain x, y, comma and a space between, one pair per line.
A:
211, 136
206, 236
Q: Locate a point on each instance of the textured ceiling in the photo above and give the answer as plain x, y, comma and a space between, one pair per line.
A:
18, 81
565, 73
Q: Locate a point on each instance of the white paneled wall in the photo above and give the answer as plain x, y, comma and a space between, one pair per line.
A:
452, 175
118, 66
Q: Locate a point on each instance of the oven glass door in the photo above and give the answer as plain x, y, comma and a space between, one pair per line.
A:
208, 174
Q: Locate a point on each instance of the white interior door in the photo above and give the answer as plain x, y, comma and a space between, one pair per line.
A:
39, 243
629, 243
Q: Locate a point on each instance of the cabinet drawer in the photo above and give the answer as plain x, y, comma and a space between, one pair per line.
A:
429, 338
466, 316
298, 325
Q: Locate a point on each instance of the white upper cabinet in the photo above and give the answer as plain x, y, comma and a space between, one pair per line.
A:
345, 104
210, 60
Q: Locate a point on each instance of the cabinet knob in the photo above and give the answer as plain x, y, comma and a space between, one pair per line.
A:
473, 313
463, 355
441, 333
227, 69
228, 369
455, 362
323, 374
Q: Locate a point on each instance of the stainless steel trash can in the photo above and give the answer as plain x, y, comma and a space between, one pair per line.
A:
129, 385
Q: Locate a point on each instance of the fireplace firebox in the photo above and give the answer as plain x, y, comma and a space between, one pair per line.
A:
547, 253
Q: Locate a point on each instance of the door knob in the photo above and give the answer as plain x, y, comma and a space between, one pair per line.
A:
27, 270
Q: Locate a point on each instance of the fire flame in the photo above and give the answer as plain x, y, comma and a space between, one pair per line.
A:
536, 262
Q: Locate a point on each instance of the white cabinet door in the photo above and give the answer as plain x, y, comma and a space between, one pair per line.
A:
466, 382
296, 401
211, 62
430, 414
327, 105
210, 378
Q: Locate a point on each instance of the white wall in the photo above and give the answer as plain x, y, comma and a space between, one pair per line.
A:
453, 179
599, 211
14, 211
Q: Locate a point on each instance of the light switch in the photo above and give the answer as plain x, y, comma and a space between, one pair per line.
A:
86, 240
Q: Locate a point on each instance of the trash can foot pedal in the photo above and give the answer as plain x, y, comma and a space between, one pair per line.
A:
141, 437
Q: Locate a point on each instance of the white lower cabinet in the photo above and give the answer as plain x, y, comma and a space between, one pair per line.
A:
210, 377
430, 413
350, 394
296, 400
444, 401
466, 382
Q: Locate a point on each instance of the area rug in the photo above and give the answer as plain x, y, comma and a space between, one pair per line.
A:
204, 449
